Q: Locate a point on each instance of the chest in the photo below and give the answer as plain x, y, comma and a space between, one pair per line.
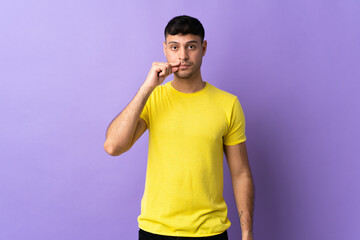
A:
196, 121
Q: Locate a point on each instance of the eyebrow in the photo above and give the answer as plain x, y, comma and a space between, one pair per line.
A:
186, 42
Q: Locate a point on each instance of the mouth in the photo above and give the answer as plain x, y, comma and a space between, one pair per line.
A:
184, 65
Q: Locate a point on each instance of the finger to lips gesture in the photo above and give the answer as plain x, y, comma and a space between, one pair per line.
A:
159, 71
165, 69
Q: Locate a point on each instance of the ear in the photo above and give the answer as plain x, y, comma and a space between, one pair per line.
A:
164, 43
204, 47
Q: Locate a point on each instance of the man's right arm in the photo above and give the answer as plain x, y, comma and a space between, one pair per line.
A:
121, 131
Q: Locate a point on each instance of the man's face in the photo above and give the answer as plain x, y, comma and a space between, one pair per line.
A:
187, 49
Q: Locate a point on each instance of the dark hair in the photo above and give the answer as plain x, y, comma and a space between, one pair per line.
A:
184, 25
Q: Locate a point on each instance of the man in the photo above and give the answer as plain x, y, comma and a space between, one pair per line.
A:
191, 124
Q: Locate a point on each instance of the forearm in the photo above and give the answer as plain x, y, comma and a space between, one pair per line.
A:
244, 193
121, 130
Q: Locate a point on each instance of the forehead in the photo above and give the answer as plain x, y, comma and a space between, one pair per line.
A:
183, 39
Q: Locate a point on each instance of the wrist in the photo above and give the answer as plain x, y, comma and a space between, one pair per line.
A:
146, 89
247, 235
148, 86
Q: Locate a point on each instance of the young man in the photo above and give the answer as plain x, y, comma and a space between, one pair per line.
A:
191, 124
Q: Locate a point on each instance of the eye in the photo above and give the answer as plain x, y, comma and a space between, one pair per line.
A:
192, 47
173, 47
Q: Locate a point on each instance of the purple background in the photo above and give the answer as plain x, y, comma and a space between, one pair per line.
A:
67, 68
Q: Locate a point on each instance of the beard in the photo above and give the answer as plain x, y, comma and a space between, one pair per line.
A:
183, 74
188, 73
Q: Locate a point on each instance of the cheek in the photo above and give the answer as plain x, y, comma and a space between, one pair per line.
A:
171, 56
198, 57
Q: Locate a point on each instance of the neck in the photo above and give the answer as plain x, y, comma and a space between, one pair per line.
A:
189, 85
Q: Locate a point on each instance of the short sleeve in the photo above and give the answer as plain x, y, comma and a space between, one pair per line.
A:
145, 112
236, 127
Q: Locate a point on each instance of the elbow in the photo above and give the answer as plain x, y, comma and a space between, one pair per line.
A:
113, 150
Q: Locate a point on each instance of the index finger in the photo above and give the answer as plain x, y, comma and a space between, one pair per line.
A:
175, 64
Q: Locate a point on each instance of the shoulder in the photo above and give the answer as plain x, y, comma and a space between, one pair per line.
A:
158, 89
161, 88
223, 95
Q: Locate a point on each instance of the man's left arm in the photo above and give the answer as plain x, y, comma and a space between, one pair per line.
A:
243, 186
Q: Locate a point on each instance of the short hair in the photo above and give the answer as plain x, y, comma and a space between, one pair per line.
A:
184, 25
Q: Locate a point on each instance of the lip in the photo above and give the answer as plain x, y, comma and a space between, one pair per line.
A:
184, 66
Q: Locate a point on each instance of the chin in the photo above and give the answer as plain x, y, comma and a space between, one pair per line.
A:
183, 75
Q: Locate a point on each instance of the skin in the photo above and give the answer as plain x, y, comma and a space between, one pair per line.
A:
243, 186
189, 51
184, 55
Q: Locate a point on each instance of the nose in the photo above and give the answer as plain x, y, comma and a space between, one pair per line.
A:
183, 55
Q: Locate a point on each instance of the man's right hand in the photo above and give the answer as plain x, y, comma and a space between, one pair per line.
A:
159, 71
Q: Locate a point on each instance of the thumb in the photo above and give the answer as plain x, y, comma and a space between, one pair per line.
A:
174, 69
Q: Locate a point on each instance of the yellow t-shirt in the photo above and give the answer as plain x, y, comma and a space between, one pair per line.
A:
183, 193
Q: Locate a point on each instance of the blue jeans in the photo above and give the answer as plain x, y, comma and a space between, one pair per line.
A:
144, 235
